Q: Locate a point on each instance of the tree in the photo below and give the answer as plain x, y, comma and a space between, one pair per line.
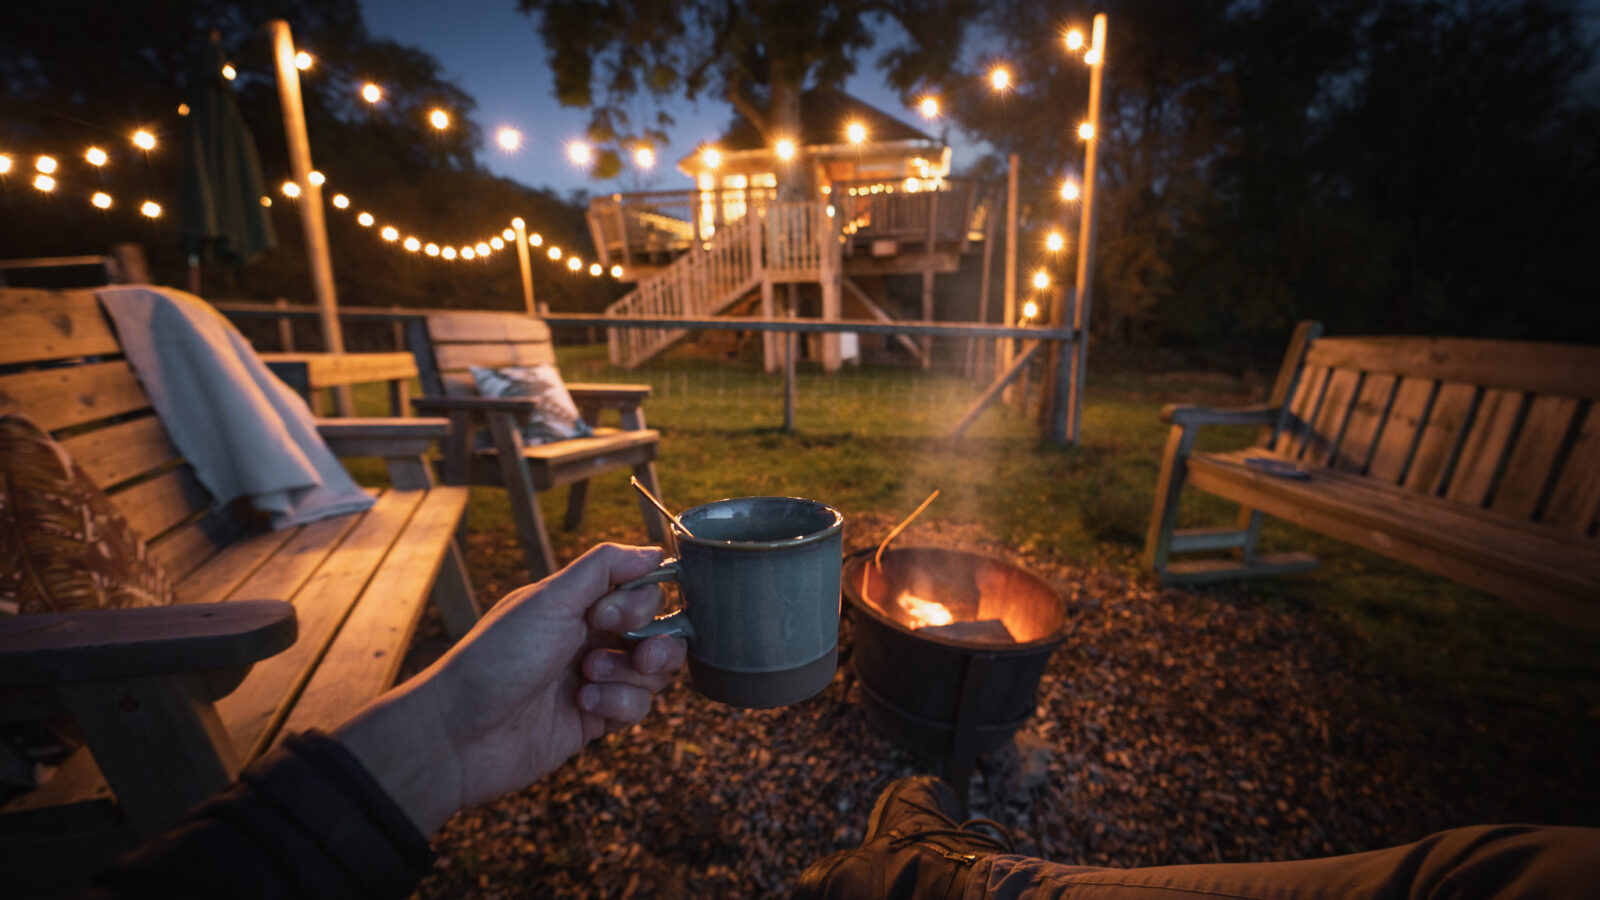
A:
758, 55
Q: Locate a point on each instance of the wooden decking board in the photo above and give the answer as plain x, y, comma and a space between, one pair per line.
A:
252, 712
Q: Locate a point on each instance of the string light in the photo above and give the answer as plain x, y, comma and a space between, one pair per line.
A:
45, 164
44, 183
595, 270
645, 157
1092, 58
316, 177
579, 152
341, 201
555, 253
518, 224
929, 107
371, 92
510, 235
151, 209
1000, 78
785, 149
1086, 131
144, 140
5, 164
1069, 190
1055, 242
266, 201
1030, 310
229, 72
497, 243
432, 249
535, 239
183, 109
413, 244
448, 253
390, 233
1041, 280
1074, 39
509, 138
616, 271
481, 248
291, 190
574, 263
855, 132
302, 60
711, 157
365, 219
101, 200
95, 156
439, 119
468, 253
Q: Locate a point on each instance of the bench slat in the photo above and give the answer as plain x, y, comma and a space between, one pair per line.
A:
161, 503
1575, 502
1441, 437
1332, 412
486, 327
1565, 370
1402, 430
1291, 441
252, 712
189, 546
1528, 469
78, 394
457, 357
1366, 420
365, 658
117, 453
43, 325
1485, 446
214, 581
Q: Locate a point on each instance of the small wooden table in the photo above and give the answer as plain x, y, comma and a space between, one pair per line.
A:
309, 373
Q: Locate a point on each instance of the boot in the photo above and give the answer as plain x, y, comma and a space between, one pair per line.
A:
913, 848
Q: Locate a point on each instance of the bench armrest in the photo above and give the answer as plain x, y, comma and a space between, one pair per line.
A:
609, 396
1193, 416
382, 437
472, 404
52, 648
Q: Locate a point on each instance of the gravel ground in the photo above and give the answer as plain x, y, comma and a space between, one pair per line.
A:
1172, 727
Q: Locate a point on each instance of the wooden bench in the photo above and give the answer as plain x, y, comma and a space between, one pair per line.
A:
161, 696
446, 345
1477, 460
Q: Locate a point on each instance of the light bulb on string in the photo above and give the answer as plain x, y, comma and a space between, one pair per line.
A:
390, 233
509, 139
555, 253
439, 119
1092, 58
574, 263
1055, 241
1074, 39
1041, 279
412, 244
371, 92
365, 219
616, 271
229, 72
497, 243
1030, 311
515, 223
5, 164
468, 253
929, 107
266, 201
855, 132
95, 156
101, 200
432, 249
1086, 131
448, 253
481, 248
290, 189
151, 209
508, 235
44, 182
45, 164
316, 178
1000, 78
144, 140
785, 149
645, 157
535, 239
1069, 190
595, 270
341, 201
580, 153
712, 157
303, 60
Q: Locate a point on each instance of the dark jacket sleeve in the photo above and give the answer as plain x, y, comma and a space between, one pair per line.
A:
307, 820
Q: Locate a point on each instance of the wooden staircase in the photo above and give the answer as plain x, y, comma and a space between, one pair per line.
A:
775, 242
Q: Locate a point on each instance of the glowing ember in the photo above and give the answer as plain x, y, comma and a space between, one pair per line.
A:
923, 613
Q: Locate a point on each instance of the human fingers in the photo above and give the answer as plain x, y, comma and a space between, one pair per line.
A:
620, 704
649, 665
593, 575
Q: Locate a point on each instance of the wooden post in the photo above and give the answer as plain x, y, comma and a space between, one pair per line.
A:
285, 327
1010, 312
521, 228
828, 275
294, 128
1068, 430
927, 276
790, 341
983, 288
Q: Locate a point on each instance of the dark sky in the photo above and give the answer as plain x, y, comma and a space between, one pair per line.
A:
494, 52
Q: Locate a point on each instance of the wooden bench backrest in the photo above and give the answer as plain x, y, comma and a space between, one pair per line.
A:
1505, 425
62, 366
455, 341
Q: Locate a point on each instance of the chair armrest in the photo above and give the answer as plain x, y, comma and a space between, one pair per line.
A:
382, 437
1192, 416
51, 648
609, 396
472, 404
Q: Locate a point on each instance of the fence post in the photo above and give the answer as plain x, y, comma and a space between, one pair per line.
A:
285, 327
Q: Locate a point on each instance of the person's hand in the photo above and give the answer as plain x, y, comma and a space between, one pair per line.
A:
538, 678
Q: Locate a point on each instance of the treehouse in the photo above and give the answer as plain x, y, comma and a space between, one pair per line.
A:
857, 197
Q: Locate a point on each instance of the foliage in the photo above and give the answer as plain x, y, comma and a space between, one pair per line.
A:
758, 56
74, 74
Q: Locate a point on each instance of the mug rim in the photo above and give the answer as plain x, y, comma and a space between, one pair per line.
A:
833, 528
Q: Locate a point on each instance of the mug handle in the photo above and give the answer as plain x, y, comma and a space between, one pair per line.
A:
673, 623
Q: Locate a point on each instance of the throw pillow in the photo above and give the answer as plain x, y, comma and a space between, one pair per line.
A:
63, 546
555, 417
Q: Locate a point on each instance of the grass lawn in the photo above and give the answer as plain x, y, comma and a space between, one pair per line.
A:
870, 441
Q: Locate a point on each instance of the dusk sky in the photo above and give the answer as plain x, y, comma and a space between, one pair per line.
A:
495, 53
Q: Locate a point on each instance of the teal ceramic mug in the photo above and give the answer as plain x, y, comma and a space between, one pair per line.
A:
760, 584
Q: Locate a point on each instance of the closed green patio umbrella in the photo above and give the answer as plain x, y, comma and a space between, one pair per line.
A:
221, 218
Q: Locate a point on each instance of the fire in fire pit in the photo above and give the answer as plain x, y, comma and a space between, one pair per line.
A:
949, 647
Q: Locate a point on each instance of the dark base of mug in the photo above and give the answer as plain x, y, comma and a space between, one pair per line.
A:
764, 690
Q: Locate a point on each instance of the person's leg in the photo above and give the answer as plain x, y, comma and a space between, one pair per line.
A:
914, 849
1490, 861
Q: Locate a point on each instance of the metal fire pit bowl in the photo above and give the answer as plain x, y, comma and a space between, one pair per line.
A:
943, 696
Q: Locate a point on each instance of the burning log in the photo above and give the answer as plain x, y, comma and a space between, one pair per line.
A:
984, 631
